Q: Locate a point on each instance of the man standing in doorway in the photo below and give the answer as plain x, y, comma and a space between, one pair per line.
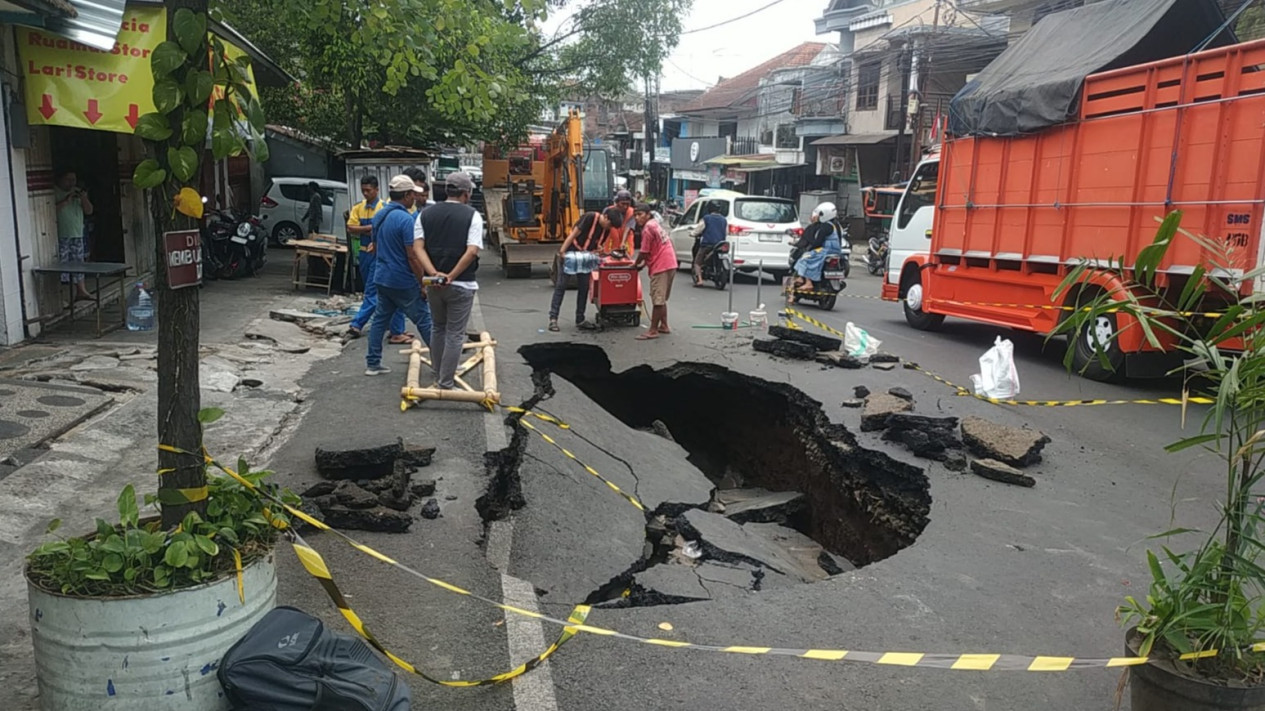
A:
72, 204
360, 226
315, 207
451, 234
398, 271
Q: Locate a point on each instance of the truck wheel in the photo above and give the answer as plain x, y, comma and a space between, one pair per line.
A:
1100, 330
912, 302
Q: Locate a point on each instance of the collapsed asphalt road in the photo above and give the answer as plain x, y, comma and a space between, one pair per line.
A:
948, 562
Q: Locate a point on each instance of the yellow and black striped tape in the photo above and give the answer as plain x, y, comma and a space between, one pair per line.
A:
571, 455
316, 567
993, 304
962, 391
956, 662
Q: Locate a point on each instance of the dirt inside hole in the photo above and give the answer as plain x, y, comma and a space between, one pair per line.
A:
743, 431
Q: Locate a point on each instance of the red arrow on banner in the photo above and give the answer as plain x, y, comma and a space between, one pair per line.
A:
133, 115
92, 113
46, 108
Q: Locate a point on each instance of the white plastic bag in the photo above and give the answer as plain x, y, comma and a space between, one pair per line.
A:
859, 344
998, 377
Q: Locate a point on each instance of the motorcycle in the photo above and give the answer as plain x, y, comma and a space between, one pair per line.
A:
233, 244
248, 247
718, 265
876, 254
846, 246
825, 291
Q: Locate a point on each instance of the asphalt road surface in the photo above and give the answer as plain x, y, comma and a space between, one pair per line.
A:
997, 569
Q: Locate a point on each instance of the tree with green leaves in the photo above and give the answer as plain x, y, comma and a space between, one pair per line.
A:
189, 77
425, 71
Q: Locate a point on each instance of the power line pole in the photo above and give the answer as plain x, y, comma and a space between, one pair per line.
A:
924, 70
647, 140
904, 61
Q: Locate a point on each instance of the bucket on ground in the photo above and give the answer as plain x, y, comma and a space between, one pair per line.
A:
729, 321
759, 319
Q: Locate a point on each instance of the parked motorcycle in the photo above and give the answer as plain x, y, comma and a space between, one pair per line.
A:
876, 254
234, 244
825, 291
718, 265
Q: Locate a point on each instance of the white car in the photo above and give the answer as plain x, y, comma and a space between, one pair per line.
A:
284, 204
760, 229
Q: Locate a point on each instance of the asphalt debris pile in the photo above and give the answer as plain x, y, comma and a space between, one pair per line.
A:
999, 451
800, 344
372, 488
798, 498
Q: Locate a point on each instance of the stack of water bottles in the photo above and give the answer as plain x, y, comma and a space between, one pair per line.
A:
140, 309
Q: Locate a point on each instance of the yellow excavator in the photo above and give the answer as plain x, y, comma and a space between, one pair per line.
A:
542, 189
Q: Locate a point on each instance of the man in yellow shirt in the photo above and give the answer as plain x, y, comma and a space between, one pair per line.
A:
360, 227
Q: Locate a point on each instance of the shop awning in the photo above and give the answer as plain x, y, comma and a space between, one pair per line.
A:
750, 163
855, 139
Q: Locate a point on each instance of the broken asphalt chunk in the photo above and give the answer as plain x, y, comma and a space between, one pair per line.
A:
926, 437
901, 393
861, 391
727, 542
761, 505
379, 519
852, 403
359, 463
877, 409
1015, 446
786, 349
840, 360
430, 510
817, 341
417, 456
353, 497
1000, 471
425, 487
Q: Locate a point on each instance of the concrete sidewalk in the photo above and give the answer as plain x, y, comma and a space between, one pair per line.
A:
77, 475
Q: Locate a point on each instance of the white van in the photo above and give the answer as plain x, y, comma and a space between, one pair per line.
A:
284, 203
760, 229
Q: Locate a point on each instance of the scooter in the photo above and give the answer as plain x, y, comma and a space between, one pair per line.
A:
248, 247
825, 291
718, 265
876, 254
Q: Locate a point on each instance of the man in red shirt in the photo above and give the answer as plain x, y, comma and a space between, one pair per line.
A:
656, 252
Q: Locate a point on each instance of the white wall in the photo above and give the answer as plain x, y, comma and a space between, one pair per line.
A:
11, 315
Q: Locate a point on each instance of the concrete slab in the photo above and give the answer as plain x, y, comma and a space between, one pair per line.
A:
32, 413
727, 541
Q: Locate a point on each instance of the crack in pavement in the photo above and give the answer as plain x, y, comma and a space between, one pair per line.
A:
607, 452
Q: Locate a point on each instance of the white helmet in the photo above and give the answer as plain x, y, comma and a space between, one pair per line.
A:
825, 212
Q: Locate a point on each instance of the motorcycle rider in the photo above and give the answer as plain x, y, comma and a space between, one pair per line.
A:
708, 234
819, 241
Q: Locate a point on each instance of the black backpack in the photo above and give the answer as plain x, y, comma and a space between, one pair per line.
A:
289, 662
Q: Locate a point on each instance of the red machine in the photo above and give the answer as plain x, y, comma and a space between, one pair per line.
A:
616, 291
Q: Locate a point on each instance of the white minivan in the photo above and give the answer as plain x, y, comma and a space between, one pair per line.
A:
761, 229
284, 204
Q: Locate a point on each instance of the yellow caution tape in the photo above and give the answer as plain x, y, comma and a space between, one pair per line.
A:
241, 587
316, 567
958, 662
791, 314
571, 455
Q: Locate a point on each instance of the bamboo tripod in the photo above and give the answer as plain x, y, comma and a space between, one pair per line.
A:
412, 393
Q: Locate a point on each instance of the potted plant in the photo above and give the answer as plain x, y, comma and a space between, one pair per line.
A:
1208, 595
134, 615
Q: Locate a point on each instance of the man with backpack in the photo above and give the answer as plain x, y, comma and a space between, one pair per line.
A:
577, 256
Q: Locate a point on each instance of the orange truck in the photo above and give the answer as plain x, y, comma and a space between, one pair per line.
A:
989, 227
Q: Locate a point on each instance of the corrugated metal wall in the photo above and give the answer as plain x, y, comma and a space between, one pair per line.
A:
47, 298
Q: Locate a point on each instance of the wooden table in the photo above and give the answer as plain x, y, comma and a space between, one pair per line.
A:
304, 249
96, 270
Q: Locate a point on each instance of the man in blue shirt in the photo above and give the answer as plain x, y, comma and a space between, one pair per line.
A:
360, 226
398, 271
711, 231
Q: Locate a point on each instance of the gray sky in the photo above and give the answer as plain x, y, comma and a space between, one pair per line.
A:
701, 57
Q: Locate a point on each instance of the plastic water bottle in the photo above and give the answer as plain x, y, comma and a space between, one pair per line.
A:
140, 309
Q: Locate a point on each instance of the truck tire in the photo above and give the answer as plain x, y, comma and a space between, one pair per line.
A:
912, 301
1085, 359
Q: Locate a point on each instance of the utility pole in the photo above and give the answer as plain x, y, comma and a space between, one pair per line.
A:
918, 85
904, 61
647, 140
179, 398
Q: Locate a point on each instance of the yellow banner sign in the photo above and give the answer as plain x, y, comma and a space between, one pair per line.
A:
72, 84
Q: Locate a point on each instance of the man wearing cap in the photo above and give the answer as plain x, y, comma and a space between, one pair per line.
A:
398, 271
360, 224
451, 235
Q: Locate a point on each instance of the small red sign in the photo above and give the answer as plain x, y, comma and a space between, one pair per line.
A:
183, 251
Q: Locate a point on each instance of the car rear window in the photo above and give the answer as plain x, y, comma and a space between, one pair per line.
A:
765, 211
294, 191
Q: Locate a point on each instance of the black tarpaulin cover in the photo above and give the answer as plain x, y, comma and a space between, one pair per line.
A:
1036, 82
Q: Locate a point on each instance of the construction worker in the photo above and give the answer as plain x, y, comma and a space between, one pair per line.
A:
577, 257
360, 224
621, 237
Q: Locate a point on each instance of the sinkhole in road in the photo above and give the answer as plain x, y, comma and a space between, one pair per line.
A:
743, 431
